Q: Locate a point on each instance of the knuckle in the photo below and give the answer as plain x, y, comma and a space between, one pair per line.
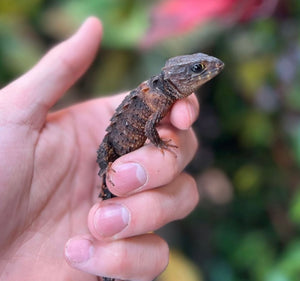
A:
142, 265
67, 66
190, 190
165, 170
171, 204
193, 143
120, 259
163, 256
64, 63
193, 190
158, 216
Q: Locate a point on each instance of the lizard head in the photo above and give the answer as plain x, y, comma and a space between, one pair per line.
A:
188, 73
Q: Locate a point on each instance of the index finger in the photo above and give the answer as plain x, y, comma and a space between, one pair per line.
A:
148, 167
184, 112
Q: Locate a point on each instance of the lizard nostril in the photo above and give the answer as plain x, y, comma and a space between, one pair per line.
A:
219, 64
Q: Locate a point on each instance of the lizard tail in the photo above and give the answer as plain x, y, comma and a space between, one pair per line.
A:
108, 279
105, 156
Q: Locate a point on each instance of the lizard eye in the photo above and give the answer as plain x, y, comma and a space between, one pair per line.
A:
198, 67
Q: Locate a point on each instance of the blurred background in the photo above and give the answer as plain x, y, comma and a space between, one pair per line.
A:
247, 225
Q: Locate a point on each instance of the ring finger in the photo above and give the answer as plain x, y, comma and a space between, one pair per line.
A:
139, 258
143, 212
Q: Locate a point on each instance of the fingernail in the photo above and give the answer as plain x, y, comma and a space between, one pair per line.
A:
128, 177
78, 250
111, 219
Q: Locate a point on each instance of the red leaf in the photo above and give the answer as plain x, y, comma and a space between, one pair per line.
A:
175, 17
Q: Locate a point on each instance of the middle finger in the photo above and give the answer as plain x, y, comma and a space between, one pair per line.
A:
149, 167
143, 212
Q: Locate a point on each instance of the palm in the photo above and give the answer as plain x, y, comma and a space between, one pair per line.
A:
47, 168
56, 185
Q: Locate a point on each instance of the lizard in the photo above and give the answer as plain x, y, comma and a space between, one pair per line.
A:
136, 118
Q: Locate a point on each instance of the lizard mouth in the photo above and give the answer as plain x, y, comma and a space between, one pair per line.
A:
220, 65
214, 70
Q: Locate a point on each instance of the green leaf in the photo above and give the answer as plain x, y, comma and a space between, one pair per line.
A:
288, 267
295, 139
248, 178
257, 130
294, 211
254, 254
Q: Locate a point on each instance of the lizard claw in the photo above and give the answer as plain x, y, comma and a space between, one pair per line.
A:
165, 145
110, 169
105, 193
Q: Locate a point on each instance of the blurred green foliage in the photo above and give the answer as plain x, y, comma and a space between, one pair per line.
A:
249, 126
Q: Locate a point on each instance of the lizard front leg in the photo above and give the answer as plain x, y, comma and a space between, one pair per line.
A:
153, 136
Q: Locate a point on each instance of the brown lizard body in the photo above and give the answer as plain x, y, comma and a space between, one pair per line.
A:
136, 117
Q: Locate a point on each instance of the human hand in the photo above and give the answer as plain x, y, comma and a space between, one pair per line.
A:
48, 179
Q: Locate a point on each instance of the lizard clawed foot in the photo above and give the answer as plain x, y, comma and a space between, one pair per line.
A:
105, 193
165, 145
110, 169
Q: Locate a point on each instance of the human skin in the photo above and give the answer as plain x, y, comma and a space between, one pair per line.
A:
53, 226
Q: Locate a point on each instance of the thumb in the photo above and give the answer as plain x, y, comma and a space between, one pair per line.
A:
28, 99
